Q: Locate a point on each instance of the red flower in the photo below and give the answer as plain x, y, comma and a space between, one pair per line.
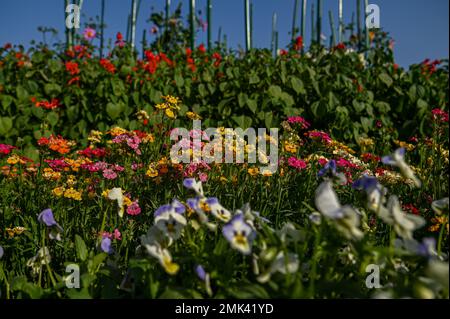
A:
411, 208
108, 66
72, 68
298, 43
7, 46
201, 48
440, 115
340, 46
6, 149
45, 104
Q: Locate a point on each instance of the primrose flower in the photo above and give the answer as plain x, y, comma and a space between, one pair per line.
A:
398, 159
89, 34
404, 224
217, 210
239, 234
284, 264
117, 194
191, 183
46, 218
169, 221
347, 219
134, 209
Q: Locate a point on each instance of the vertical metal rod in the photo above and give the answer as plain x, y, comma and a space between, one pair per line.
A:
341, 22
319, 21
358, 22
209, 17
102, 28
294, 20
274, 30
133, 22
192, 23
247, 24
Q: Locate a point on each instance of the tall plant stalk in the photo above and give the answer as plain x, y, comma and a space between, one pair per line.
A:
167, 8
366, 4
68, 31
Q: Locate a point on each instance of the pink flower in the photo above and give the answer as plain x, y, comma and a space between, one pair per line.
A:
118, 168
440, 115
117, 235
298, 120
324, 137
203, 177
322, 161
109, 174
134, 209
89, 33
5, 149
296, 163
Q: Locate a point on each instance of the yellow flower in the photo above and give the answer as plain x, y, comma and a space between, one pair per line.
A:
72, 193
95, 136
127, 201
51, 174
289, 147
18, 230
172, 100
58, 191
162, 106
253, 171
169, 113
151, 171
116, 131
13, 159
408, 147
193, 116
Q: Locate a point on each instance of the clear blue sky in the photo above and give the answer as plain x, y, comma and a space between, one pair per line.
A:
419, 27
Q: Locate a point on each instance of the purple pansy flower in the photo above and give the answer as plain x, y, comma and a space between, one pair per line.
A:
46, 217
239, 234
201, 273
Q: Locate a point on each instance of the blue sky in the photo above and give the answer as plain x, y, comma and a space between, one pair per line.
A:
420, 27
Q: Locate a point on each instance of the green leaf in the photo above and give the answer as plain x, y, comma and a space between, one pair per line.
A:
298, 86
52, 89
254, 78
386, 79
6, 125
113, 110
82, 252
52, 118
242, 99
6, 101
252, 105
179, 81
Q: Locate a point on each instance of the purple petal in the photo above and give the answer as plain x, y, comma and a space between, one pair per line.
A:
163, 209
178, 206
46, 217
201, 273
106, 245
189, 182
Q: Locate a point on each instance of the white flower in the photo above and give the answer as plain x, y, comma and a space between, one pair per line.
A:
346, 218
440, 205
163, 256
284, 264
117, 194
41, 258
169, 221
404, 224
398, 159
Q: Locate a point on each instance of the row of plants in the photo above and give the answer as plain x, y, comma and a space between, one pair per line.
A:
138, 224
348, 93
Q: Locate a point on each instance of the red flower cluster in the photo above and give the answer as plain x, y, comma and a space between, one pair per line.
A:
429, 67
189, 60
340, 46
298, 45
119, 40
440, 115
217, 59
369, 157
72, 68
6, 149
154, 60
78, 51
411, 208
93, 152
53, 104
55, 143
108, 66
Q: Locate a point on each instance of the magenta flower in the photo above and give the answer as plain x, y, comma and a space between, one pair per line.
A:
296, 163
299, 120
134, 209
109, 174
89, 34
